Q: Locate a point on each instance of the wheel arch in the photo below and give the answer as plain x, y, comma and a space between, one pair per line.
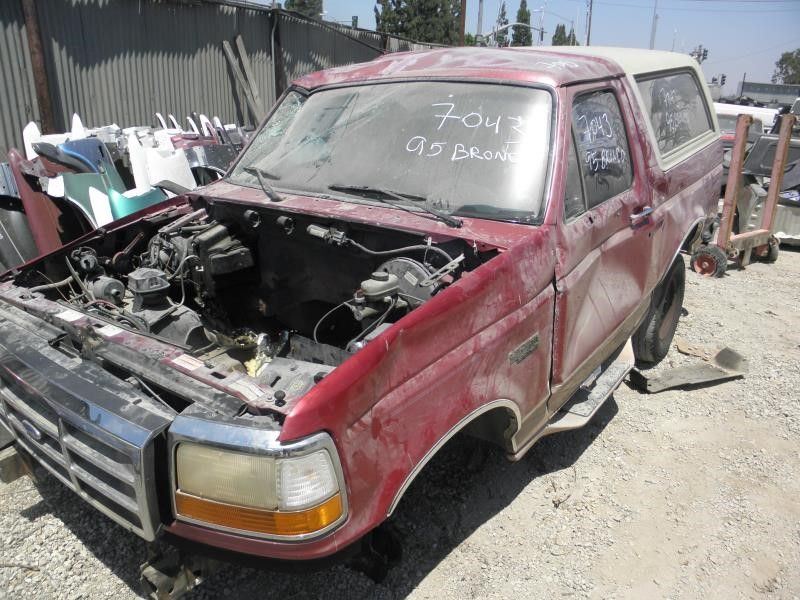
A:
692, 235
494, 421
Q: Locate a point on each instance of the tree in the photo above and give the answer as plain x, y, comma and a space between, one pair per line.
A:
433, 21
309, 8
787, 68
572, 39
470, 40
522, 35
502, 20
560, 36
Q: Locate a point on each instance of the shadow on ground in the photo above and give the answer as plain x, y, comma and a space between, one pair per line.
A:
118, 549
465, 485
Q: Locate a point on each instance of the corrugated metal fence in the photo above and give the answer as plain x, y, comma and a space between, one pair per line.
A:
17, 98
123, 60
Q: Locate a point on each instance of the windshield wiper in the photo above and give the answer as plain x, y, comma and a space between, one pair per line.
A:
266, 186
391, 198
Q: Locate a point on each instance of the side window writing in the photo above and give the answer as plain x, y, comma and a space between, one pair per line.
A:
603, 151
677, 109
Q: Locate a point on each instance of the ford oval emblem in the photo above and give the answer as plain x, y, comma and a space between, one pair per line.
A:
31, 430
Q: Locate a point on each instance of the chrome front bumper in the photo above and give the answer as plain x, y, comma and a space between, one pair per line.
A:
81, 424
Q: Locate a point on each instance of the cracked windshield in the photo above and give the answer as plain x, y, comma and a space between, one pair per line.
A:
475, 150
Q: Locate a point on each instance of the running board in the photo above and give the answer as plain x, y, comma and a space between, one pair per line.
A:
584, 403
587, 400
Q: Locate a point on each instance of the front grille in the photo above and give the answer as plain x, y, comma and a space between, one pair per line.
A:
76, 421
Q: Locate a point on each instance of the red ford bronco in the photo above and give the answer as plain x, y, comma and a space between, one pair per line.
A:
462, 239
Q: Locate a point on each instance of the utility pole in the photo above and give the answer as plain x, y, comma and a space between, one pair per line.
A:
655, 24
588, 22
463, 24
480, 18
36, 52
541, 24
496, 30
674, 36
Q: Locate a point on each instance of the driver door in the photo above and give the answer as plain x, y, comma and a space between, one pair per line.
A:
604, 239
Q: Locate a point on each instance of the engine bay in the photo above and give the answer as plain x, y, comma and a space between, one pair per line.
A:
284, 298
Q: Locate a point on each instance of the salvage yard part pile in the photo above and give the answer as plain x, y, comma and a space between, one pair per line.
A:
674, 495
69, 183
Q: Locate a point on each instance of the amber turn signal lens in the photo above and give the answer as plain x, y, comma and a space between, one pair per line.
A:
259, 520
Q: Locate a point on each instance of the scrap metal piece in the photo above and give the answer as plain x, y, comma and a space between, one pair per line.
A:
11, 467
6, 437
727, 364
14, 461
8, 187
215, 157
684, 347
171, 574
761, 157
43, 214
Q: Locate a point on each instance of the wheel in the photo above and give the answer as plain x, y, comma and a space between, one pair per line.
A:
652, 340
710, 261
769, 253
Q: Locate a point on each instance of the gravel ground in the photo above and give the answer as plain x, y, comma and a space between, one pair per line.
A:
683, 494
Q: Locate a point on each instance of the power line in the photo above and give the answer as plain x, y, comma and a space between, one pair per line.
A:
751, 53
748, 1
714, 10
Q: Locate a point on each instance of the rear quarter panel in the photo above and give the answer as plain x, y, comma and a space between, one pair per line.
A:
685, 189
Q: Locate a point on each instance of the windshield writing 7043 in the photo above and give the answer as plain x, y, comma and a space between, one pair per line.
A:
505, 132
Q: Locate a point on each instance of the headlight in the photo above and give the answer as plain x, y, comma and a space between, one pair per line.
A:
225, 476
277, 495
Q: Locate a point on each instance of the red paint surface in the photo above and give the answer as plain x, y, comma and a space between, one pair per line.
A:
183, 141
39, 208
490, 234
505, 64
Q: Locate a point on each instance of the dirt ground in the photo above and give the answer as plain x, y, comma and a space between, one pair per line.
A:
682, 494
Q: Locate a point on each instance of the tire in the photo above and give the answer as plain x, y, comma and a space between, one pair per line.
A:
709, 261
652, 340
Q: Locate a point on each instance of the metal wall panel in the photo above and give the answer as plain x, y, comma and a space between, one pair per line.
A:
124, 60
120, 61
18, 103
308, 46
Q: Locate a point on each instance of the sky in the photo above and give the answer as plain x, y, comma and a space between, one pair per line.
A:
742, 36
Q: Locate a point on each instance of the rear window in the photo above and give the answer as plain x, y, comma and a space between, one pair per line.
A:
677, 109
727, 122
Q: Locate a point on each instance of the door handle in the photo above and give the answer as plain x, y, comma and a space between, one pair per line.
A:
646, 211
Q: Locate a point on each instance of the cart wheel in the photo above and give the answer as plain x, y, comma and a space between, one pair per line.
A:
772, 249
709, 261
